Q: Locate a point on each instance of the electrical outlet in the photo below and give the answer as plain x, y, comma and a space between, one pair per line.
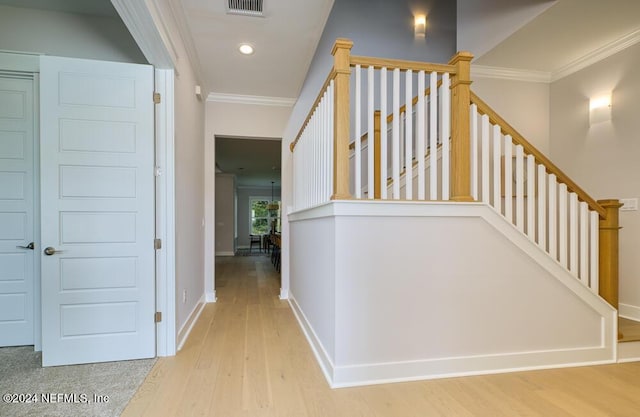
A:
184, 296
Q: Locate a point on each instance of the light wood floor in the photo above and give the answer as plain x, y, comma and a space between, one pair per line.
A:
247, 357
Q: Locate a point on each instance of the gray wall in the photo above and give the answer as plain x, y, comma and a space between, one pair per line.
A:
603, 158
243, 209
67, 34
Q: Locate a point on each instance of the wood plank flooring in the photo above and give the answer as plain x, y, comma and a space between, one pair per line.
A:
247, 357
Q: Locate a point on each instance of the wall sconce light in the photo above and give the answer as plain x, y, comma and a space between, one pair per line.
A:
600, 109
420, 26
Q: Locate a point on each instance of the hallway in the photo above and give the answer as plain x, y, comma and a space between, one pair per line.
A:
247, 356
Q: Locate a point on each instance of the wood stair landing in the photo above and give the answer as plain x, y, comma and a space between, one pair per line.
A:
630, 330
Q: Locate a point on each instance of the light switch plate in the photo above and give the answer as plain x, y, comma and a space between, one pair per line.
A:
629, 204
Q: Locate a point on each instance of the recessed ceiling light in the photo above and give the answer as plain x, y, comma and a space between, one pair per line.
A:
245, 49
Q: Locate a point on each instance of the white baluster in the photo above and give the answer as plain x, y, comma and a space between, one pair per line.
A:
370, 135
508, 178
446, 130
542, 207
497, 152
408, 136
485, 159
531, 199
520, 188
420, 136
553, 216
562, 225
332, 96
573, 233
473, 123
594, 246
433, 137
395, 140
358, 143
584, 243
383, 133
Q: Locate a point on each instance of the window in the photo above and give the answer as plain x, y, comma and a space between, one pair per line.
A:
260, 217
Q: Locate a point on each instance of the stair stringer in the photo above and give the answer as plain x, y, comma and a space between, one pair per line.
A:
353, 359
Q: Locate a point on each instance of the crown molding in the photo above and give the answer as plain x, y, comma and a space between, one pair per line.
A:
597, 55
254, 100
144, 23
514, 74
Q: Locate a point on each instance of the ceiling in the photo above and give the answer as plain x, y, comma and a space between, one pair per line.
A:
565, 33
254, 162
284, 40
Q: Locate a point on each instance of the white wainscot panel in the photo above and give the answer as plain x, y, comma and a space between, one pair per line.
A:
13, 307
13, 266
97, 182
97, 273
98, 319
12, 185
11, 144
97, 136
13, 226
96, 90
97, 227
12, 104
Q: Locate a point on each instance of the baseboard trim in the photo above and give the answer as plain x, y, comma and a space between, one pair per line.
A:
210, 297
225, 254
318, 349
385, 373
284, 294
186, 328
628, 311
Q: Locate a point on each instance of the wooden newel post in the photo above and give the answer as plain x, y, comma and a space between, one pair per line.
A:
341, 65
460, 128
608, 258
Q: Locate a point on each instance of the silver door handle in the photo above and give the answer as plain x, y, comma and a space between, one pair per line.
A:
51, 251
29, 246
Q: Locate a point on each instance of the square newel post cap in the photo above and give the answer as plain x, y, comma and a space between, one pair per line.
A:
461, 56
341, 43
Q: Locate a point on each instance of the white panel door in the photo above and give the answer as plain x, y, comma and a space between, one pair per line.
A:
16, 211
97, 208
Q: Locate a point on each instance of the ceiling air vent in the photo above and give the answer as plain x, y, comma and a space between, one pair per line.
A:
245, 7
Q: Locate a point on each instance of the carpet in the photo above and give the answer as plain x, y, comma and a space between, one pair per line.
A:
92, 390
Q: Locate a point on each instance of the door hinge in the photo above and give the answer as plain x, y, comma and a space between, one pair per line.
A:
158, 317
156, 98
157, 244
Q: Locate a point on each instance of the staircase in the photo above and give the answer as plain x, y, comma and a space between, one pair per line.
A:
482, 216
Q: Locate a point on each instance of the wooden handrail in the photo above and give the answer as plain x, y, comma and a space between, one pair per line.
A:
330, 77
402, 65
529, 149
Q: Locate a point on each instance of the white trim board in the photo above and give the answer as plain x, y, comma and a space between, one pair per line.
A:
254, 100
628, 311
185, 330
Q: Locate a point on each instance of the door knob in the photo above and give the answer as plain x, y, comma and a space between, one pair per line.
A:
29, 246
51, 251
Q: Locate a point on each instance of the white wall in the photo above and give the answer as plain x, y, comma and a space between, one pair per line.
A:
524, 105
67, 34
603, 158
247, 120
189, 177
383, 294
244, 212
225, 214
